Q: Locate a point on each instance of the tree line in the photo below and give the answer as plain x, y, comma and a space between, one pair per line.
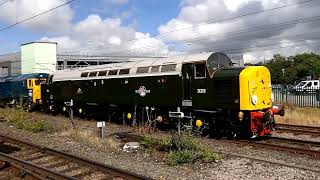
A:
292, 69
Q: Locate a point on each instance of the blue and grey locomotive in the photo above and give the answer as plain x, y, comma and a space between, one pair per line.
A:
24, 89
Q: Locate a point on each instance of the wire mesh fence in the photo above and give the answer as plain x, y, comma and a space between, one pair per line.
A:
297, 96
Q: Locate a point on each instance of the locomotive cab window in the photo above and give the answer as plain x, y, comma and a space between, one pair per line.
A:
30, 83
38, 81
84, 74
200, 70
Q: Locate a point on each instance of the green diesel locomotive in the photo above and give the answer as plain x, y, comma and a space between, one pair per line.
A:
204, 87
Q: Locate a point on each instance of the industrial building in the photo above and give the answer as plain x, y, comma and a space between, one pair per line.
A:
42, 57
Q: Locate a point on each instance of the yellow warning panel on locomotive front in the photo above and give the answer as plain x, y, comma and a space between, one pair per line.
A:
255, 88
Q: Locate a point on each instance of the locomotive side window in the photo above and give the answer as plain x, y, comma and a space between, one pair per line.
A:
84, 74
124, 71
155, 69
92, 74
168, 68
141, 70
200, 70
102, 73
113, 72
30, 83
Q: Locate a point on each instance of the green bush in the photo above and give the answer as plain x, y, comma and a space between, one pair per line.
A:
180, 157
36, 127
181, 149
189, 156
165, 144
20, 119
208, 155
149, 142
160, 145
189, 142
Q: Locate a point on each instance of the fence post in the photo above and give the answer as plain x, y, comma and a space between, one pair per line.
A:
287, 90
282, 94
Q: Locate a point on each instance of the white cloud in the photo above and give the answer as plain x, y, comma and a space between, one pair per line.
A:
224, 35
95, 35
57, 20
114, 40
64, 42
146, 45
234, 5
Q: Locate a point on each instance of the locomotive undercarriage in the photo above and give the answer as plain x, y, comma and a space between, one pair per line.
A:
23, 103
216, 123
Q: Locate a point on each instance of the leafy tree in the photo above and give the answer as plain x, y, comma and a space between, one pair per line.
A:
296, 68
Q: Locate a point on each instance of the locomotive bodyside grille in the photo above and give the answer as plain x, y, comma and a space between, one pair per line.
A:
223, 91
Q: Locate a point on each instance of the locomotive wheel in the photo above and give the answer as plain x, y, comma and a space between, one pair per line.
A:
233, 126
216, 127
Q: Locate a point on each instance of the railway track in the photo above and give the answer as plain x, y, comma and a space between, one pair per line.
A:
295, 146
296, 166
298, 129
292, 145
288, 145
45, 163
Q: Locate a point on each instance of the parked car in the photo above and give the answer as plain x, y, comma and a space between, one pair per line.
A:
307, 86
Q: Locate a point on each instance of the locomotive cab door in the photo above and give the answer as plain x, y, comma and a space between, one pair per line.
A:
187, 77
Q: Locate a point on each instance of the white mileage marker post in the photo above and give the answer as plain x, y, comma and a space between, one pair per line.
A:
70, 106
101, 126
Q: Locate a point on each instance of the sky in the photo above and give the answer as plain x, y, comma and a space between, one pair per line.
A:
165, 27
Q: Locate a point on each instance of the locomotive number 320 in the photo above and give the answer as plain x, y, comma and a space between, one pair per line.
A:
201, 91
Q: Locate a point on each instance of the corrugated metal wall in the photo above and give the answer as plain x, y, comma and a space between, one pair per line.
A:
12, 62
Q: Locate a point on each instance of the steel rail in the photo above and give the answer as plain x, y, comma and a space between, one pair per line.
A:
295, 141
309, 130
43, 173
270, 144
116, 172
313, 169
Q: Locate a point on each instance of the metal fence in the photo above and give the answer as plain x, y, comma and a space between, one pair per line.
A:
296, 96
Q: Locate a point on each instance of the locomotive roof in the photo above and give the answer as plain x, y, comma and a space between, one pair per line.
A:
22, 77
136, 68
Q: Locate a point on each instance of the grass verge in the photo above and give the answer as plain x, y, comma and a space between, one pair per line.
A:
21, 120
181, 149
306, 116
91, 137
